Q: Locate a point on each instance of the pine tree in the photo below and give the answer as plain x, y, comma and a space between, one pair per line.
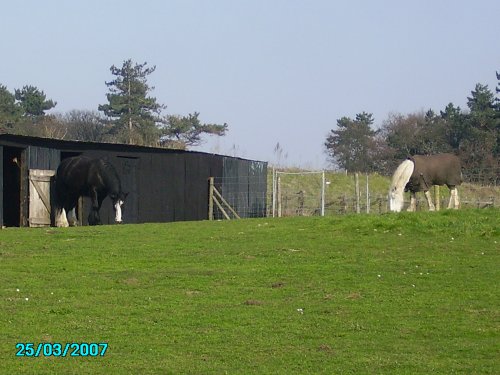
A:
480, 149
10, 111
353, 145
134, 114
184, 131
34, 102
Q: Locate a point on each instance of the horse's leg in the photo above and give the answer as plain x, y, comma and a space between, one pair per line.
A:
451, 203
60, 214
99, 204
413, 202
72, 219
454, 203
457, 201
69, 207
60, 217
94, 210
429, 201
94, 218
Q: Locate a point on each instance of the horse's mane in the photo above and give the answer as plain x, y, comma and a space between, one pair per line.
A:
110, 174
108, 167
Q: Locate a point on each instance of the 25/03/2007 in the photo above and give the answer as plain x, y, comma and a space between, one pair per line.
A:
56, 349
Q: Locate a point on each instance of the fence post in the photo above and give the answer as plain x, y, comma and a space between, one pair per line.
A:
367, 195
356, 181
278, 194
274, 193
323, 194
437, 197
211, 199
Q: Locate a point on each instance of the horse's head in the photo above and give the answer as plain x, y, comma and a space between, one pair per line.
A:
118, 201
396, 199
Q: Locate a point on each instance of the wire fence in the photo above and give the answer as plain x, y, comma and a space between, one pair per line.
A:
306, 194
317, 193
245, 195
485, 177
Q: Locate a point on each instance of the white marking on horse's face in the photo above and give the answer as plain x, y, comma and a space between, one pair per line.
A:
118, 211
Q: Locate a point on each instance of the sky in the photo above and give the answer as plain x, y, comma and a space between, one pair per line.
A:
276, 71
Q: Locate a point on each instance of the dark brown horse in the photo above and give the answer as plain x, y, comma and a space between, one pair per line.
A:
81, 176
419, 173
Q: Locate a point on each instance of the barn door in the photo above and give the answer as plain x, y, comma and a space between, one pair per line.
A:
39, 194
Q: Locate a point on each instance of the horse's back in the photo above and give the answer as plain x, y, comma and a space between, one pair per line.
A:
439, 169
72, 173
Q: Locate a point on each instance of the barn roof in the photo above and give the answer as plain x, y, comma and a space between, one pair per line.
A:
14, 140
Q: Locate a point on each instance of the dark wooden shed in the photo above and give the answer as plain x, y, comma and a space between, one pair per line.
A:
163, 184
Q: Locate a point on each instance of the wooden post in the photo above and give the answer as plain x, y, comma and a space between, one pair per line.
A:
278, 193
356, 182
274, 193
437, 198
211, 199
367, 195
323, 182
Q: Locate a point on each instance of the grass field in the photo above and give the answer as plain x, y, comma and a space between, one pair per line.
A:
367, 294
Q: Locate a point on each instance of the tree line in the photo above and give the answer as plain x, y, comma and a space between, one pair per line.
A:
473, 134
131, 115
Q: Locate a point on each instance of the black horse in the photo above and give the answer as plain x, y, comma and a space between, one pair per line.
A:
81, 176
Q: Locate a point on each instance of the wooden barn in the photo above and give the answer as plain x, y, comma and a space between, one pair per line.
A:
164, 185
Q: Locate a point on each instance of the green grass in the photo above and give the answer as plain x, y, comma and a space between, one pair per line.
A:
367, 294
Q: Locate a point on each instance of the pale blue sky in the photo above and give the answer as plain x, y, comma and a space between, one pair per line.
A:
274, 70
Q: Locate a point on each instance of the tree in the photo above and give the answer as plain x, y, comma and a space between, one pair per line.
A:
185, 131
415, 134
432, 134
34, 102
87, 126
399, 131
10, 111
480, 148
498, 87
353, 145
454, 124
482, 107
134, 114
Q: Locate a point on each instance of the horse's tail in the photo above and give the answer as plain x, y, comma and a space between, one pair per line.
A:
58, 214
399, 180
57, 195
